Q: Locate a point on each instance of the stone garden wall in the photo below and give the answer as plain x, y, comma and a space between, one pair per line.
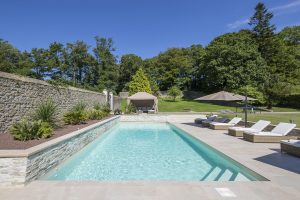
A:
22, 166
19, 96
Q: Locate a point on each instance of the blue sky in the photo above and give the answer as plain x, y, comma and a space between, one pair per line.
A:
142, 27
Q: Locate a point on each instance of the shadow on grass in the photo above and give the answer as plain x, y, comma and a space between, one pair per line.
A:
281, 160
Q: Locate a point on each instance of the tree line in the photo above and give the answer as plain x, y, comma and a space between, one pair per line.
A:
260, 61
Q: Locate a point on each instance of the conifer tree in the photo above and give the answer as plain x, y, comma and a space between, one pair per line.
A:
139, 83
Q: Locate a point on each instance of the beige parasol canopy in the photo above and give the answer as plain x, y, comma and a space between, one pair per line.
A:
224, 96
143, 101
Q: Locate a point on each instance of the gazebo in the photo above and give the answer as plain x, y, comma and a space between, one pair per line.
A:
144, 102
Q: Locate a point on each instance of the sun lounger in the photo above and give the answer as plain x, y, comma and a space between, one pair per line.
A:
208, 119
290, 147
275, 136
225, 126
207, 123
255, 128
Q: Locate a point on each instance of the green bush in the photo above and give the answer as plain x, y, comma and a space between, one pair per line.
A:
46, 112
76, 115
105, 109
254, 93
174, 92
26, 130
97, 106
130, 109
45, 130
95, 114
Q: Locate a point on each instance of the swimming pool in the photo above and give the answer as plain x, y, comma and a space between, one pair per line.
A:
150, 151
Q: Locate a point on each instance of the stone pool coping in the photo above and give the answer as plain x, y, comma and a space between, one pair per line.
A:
11, 153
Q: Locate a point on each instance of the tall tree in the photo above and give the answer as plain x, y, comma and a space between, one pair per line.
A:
39, 58
56, 60
77, 61
129, 64
280, 65
107, 73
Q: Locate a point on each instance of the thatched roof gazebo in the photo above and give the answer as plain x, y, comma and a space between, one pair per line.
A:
144, 101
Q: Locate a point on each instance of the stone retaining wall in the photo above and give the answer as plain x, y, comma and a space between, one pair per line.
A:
19, 96
18, 167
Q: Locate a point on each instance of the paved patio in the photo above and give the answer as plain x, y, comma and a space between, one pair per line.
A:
282, 170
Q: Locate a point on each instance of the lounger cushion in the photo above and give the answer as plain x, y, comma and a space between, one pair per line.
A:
283, 128
248, 130
292, 142
264, 134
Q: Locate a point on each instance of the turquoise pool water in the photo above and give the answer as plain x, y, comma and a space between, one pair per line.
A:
150, 151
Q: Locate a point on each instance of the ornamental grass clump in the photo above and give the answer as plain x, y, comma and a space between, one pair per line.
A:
46, 112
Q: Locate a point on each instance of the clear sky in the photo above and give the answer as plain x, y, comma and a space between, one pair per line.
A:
142, 27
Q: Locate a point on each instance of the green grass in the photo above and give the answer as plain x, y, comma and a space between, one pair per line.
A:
181, 105
123, 105
281, 109
165, 105
274, 118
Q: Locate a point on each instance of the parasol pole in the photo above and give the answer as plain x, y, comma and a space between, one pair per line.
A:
246, 111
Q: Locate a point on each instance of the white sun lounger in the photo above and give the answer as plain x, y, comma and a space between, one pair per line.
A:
208, 119
276, 135
225, 126
255, 128
207, 123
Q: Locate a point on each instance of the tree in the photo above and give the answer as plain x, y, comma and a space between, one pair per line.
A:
263, 31
174, 92
281, 65
77, 55
139, 83
107, 73
12, 60
56, 60
39, 59
173, 67
129, 64
232, 61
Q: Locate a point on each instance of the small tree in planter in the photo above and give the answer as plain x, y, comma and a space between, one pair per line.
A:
174, 92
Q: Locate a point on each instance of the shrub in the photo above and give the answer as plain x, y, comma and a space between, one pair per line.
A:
95, 114
130, 109
26, 130
46, 112
174, 92
253, 92
105, 109
76, 115
45, 130
97, 106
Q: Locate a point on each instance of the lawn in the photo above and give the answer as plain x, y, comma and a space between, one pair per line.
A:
185, 105
182, 105
274, 118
